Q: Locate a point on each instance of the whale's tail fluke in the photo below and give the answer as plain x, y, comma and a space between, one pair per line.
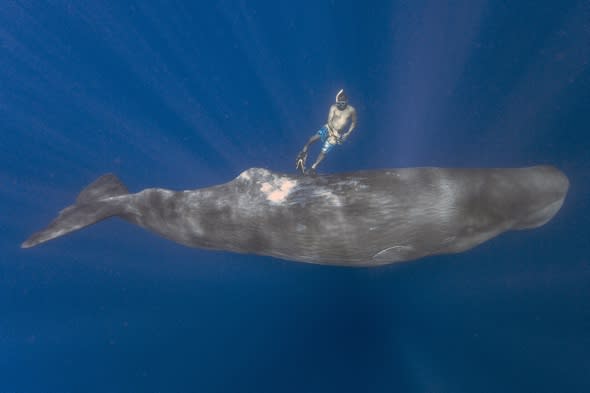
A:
95, 203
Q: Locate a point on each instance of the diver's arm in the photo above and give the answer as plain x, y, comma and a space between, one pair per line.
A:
352, 123
331, 127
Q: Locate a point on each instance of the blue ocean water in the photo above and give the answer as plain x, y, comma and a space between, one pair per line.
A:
189, 94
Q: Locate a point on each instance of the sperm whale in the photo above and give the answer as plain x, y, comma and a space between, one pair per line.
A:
363, 218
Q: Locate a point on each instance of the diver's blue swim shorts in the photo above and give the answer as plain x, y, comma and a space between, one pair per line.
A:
324, 134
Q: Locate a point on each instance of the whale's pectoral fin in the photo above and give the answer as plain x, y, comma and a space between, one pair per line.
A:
92, 205
394, 254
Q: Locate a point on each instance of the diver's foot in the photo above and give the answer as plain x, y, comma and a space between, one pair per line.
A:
301, 167
300, 161
311, 172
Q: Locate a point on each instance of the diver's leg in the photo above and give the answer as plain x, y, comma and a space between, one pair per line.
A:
325, 150
311, 141
302, 156
320, 158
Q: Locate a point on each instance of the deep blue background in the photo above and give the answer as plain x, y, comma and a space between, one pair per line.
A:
186, 95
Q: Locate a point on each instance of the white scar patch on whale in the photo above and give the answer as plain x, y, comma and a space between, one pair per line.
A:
278, 190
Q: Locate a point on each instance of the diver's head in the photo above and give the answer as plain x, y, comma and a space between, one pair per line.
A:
341, 100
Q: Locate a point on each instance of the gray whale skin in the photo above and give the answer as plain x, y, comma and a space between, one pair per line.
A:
364, 218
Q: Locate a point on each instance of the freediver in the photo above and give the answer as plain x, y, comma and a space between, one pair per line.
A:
331, 133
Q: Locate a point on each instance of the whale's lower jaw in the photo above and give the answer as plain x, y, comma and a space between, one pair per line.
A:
541, 216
